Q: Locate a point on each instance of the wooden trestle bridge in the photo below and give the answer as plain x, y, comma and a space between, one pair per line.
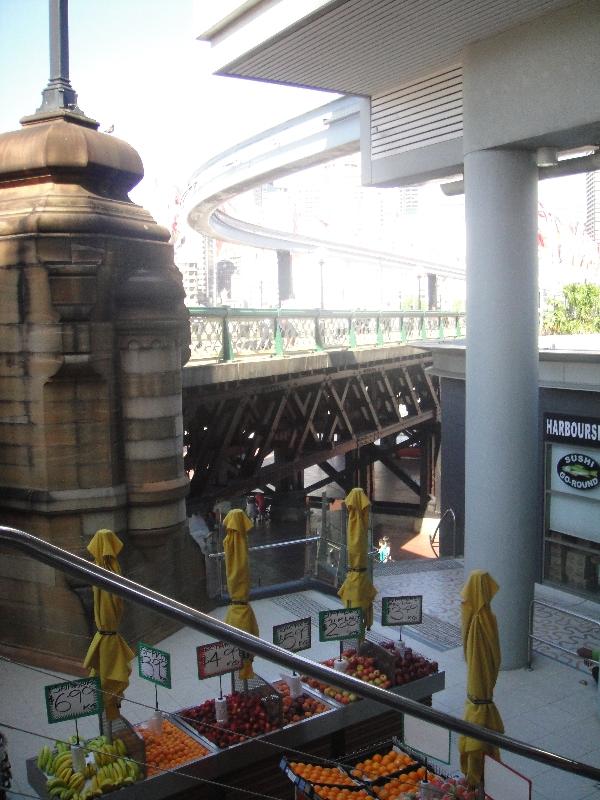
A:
261, 422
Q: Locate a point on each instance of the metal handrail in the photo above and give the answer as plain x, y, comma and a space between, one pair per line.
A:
449, 511
285, 543
124, 587
531, 636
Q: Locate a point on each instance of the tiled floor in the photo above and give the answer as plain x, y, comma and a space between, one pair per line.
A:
554, 706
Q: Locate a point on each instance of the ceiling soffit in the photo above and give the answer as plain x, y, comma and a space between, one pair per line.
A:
369, 47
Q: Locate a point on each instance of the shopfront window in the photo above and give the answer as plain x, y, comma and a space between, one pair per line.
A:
572, 502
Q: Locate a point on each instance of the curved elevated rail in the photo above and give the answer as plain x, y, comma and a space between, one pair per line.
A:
316, 137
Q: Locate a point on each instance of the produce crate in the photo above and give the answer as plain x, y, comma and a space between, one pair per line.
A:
172, 730
337, 777
134, 743
333, 793
305, 706
271, 699
408, 666
383, 659
98, 754
242, 724
379, 763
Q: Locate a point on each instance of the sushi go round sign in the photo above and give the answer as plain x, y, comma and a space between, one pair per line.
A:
578, 471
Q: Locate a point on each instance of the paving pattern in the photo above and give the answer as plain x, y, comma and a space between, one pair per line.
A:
440, 582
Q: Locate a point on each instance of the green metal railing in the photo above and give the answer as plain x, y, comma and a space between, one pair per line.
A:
225, 334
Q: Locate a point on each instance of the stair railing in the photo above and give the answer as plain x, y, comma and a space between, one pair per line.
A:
79, 567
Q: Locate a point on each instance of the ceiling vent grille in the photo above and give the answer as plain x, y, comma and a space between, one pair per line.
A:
418, 115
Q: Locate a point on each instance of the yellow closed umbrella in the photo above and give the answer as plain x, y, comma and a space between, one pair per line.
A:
357, 590
240, 613
109, 654
482, 654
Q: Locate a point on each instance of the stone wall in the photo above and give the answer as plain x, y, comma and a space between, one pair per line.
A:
93, 338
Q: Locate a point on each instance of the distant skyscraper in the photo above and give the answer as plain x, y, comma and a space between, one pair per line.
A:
592, 216
195, 259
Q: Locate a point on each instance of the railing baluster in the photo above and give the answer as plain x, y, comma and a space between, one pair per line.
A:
365, 329
351, 333
318, 339
228, 354
279, 343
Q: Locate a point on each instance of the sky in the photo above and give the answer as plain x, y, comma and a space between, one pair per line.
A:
136, 65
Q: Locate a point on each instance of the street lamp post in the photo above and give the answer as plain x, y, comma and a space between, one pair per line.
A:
59, 94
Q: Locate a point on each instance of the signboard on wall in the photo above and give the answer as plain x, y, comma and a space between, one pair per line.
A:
573, 478
569, 429
579, 471
574, 471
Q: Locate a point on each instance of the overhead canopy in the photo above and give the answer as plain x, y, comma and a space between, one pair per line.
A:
361, 47
443, 79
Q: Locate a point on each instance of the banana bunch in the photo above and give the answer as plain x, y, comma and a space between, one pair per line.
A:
44, 758
94, 744
90, 769
67, 786
107, 771
108, 753
62, 766
121, 772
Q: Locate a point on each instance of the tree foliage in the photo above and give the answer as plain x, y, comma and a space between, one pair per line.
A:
578, 311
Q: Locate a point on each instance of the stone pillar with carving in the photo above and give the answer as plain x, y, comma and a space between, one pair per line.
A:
93, 338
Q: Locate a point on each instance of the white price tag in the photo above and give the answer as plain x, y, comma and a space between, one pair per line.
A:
217, 658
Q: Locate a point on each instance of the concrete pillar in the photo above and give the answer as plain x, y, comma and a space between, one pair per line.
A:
502, 384
432, 291
284, 275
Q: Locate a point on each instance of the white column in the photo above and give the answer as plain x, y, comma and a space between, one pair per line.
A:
501, 469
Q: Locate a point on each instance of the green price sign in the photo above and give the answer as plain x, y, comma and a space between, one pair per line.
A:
341, 623
154, 665
73, 699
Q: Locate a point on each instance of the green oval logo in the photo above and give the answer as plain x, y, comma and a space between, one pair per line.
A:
579, 471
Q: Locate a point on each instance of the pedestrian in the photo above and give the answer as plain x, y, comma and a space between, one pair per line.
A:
259, 499
384, 550
251, 507
211, 521
590, 656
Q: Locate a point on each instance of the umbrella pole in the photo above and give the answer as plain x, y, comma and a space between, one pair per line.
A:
105, 726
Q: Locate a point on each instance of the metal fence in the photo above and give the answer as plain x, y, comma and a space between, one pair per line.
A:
225, 334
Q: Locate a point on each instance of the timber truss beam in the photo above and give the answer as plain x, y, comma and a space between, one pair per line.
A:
245, 433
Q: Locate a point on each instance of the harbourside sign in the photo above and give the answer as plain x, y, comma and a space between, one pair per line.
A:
572, 430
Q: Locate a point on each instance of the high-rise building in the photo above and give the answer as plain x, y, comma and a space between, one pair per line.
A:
195, 259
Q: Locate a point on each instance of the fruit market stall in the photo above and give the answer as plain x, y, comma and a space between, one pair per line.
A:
390, 772
193, 745
238, 736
